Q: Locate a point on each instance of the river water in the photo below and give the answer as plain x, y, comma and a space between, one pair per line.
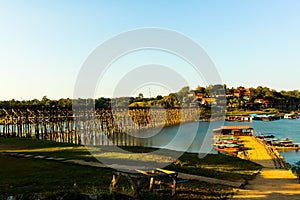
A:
197, 136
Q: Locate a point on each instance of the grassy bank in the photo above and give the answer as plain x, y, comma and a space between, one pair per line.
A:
269, 111
58, 180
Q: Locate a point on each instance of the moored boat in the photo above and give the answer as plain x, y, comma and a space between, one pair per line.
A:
243, 130
227, 138
283, 144
228, 148
265, 136
227, 142
290, 116
239, 118
266, 117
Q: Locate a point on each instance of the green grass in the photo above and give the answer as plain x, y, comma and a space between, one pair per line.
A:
247, 112
56, 180
28, 143
26, 175
59, 180
46, 148
219, 166
216, 166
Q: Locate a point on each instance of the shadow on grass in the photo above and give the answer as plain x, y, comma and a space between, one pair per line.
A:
216, 166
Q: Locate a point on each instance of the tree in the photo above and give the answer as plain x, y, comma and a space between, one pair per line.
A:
214, 90
47, 102
171, 101
64, 102
141, 96
200, 89
186, 101
159, 97
183, 92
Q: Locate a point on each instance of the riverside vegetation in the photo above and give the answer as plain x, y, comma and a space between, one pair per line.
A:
239, 98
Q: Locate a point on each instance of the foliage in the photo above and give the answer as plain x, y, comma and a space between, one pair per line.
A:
238, 98
296, 169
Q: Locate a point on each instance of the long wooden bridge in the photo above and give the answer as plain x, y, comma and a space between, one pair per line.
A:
87, 126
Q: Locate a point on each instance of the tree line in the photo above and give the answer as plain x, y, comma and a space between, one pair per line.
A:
262, 97
203, 96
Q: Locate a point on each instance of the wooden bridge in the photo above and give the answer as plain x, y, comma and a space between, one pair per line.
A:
87, 126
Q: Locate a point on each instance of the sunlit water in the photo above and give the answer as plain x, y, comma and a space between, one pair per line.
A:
197, 136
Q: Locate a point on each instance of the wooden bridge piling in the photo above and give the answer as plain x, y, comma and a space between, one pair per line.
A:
83, 126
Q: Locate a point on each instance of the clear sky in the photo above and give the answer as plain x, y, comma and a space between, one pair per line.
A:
43, 44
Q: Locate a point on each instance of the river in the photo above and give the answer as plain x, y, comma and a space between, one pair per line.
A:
197, 136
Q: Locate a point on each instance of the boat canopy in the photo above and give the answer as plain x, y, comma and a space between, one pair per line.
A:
234, 130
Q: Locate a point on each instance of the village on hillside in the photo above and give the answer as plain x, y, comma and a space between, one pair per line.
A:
247, 98
239, 98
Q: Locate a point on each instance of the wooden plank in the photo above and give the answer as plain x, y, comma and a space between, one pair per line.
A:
167, 171
143, 172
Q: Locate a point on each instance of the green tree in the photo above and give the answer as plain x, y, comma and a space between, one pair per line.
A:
200, 90
141, 96
183, 92
171, 101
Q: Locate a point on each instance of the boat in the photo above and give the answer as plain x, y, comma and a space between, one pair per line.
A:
227, 142
265, 136
228, 148
266, 117
290, 116
239, 118
270, 141
284, 143
243, 130
227, 137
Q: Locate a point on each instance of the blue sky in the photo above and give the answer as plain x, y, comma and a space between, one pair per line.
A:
43, 44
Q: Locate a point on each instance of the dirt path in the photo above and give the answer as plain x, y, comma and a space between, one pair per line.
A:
271, 182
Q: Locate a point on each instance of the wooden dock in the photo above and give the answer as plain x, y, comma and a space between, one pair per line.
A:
274, 181
259, 152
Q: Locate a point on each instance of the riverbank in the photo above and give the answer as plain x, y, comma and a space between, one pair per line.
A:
273, 181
